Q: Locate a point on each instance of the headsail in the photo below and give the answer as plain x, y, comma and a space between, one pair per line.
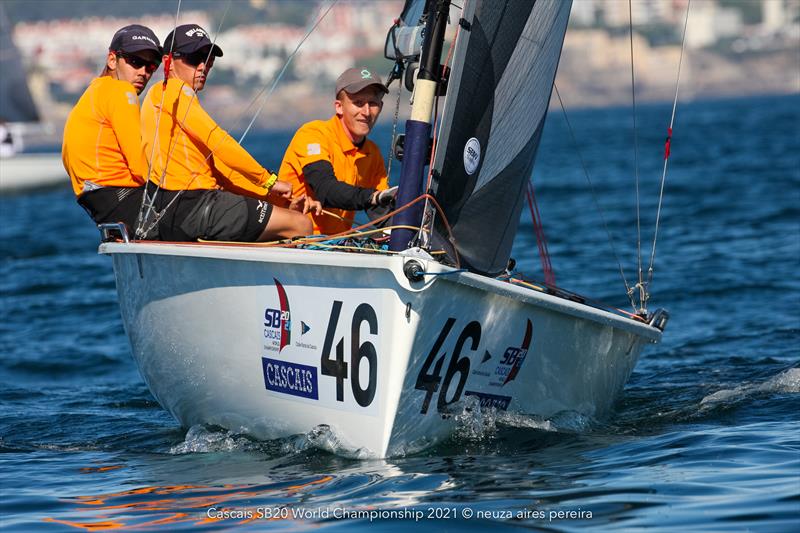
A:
502, 75
16, 103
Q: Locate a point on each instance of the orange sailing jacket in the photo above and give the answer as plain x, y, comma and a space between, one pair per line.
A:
326, 140
191, 150
102, 143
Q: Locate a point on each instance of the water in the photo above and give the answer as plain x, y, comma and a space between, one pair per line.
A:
705, 436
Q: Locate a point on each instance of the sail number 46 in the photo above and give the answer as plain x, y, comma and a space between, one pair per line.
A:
359, 351
430, 380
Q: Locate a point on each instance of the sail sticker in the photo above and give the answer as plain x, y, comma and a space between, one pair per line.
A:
290, 378
277, 322
472, 155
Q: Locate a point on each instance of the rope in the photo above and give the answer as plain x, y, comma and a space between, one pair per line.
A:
636, 168
355, 231
541, 240
666, 152
594, 197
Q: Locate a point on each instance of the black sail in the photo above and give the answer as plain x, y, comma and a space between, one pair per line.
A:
16, 103
503, 70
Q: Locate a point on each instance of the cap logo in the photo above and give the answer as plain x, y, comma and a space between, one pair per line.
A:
196, 32
365, 74
142, 38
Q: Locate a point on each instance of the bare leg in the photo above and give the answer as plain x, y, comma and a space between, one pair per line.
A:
285, 224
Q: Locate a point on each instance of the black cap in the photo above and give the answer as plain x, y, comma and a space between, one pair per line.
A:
135, 38
189, 39
353, 80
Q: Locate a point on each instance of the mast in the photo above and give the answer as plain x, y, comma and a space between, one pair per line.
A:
418, 127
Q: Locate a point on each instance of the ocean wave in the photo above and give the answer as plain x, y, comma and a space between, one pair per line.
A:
787, 382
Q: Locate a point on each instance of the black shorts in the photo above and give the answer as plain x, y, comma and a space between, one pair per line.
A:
212, 215
113, 204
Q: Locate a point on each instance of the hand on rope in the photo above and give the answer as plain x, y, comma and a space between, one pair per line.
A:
385, 197
305, 204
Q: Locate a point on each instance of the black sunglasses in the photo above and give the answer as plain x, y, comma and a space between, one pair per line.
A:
137, 62
195, 58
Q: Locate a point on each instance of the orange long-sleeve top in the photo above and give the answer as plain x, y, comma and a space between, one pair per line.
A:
102, 140
361, 166
191, 150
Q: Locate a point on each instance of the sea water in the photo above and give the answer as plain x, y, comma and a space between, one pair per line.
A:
704, 437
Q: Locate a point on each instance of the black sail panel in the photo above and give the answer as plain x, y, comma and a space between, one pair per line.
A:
503, 71
16, 103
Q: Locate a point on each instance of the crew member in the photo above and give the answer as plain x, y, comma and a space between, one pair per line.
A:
102, 143
191, 157
334, 162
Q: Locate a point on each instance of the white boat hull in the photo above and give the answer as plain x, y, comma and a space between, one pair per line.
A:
277, 342
31, 171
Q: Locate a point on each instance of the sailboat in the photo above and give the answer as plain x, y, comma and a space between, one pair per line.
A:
382, 349
20, 170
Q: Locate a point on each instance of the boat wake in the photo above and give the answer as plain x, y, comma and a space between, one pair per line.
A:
204, 439
474, 425
213, 439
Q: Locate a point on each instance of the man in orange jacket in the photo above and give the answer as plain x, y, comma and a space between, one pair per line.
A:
334, 162
191, 158
102, 145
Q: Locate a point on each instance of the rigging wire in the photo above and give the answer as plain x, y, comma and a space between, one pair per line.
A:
174, 143
257, 96
666, 152
191, 101
594, 197
283, 70
394, 128
147, 202
640, 283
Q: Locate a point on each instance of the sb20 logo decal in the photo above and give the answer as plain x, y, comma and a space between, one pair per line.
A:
359, 351
277, 322
430, 381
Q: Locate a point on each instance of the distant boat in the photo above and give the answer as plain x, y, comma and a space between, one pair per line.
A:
380, 351
20, 170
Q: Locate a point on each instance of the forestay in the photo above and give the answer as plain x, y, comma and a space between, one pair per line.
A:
503, 70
